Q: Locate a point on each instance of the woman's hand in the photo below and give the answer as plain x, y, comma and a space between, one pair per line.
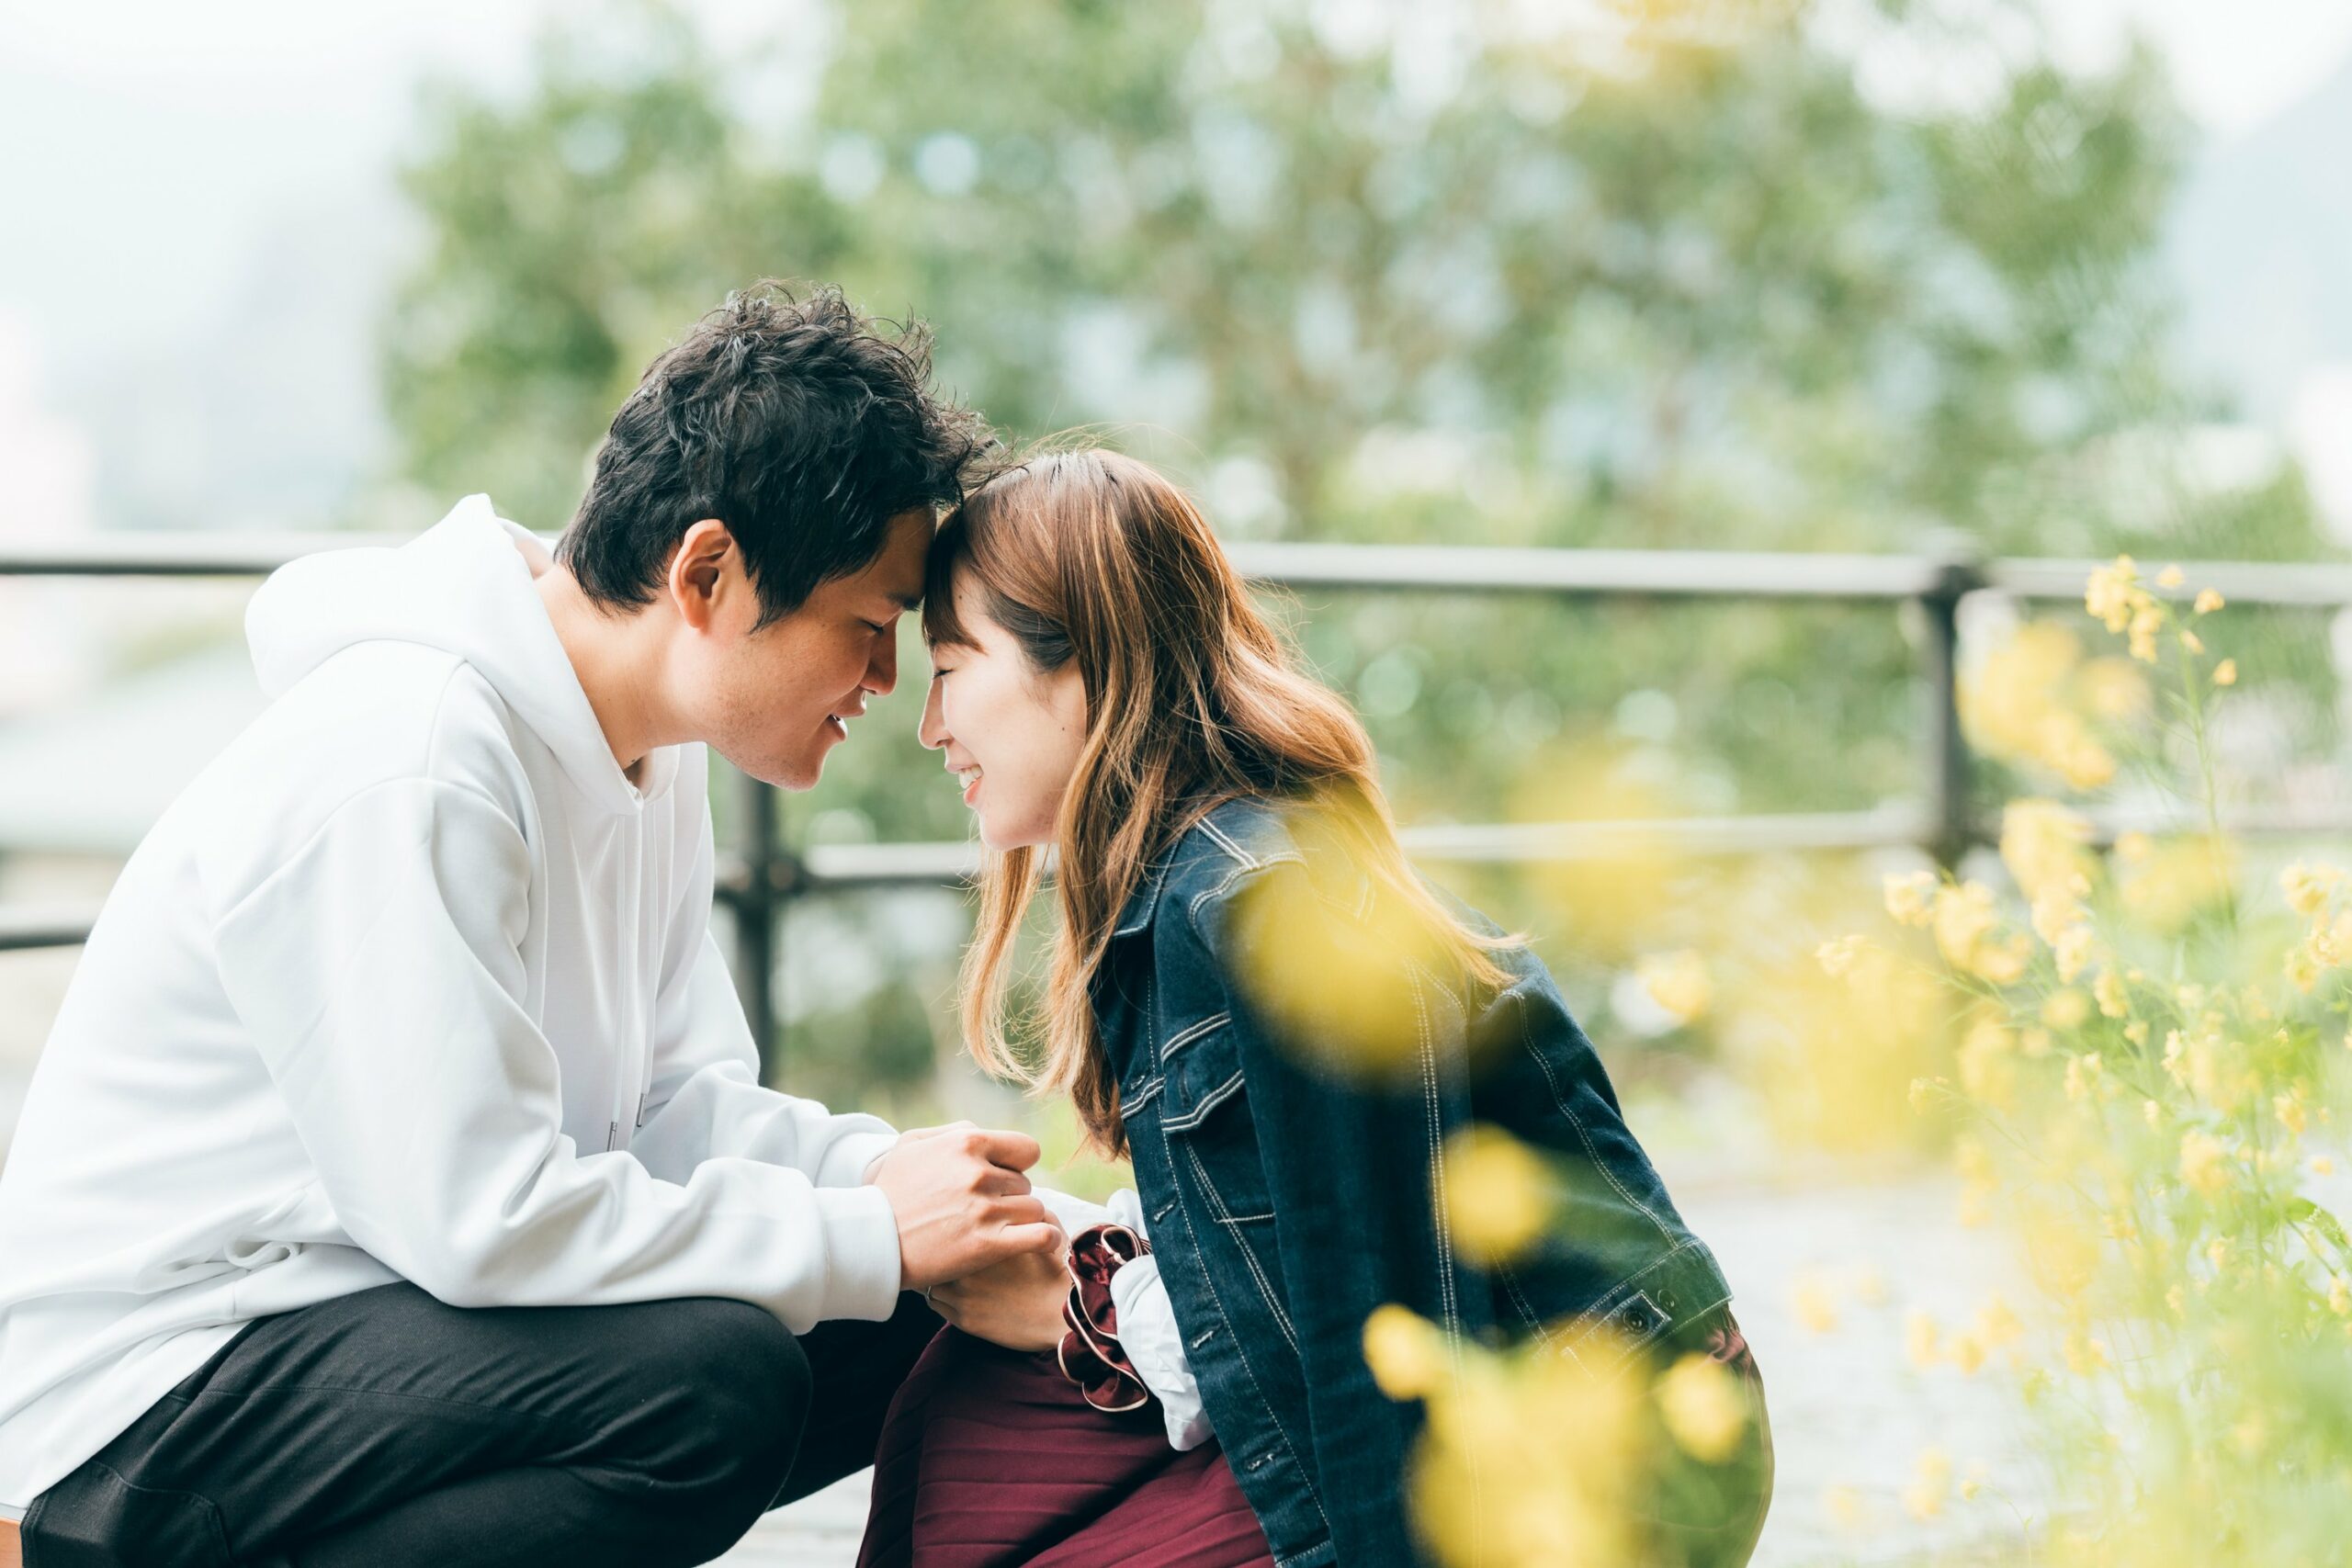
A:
1016, 1304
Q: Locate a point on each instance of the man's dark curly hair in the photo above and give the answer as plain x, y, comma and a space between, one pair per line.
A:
799, 424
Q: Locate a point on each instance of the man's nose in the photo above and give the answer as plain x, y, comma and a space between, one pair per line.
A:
883, 672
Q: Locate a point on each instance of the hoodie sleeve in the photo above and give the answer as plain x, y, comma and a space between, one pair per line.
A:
707, 1098
380, 976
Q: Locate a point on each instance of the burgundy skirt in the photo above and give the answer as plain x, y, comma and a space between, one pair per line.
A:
990, 1459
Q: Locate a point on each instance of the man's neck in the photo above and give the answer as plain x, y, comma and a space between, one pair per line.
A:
604, 655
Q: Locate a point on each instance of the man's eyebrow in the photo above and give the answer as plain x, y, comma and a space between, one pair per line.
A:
910, 603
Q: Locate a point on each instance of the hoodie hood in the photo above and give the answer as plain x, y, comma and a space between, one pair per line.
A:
463, 587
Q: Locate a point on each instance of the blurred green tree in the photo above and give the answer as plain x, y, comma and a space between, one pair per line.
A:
1652, 276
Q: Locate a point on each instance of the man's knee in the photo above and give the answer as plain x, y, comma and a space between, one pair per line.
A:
745, 1382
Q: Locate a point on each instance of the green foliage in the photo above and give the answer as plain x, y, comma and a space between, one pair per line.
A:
1677, 287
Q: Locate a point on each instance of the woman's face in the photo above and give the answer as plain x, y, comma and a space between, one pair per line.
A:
1012, 735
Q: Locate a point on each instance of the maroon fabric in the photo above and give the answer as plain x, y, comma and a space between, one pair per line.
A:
992, 1459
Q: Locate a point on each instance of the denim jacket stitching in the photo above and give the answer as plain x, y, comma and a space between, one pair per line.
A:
1190, 1119
1193, 910
1597, 1316
1449, 1292
1241, 1353
1197, 1032
1592, 1151
1526, 1309
1224, 1216
1225, 841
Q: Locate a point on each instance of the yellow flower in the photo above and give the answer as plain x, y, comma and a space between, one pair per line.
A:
2002, 962
2043, 844
2290, 1111
1910, 900
2085, 1353
2225, 673
1499, 1195
2112, 591
1921, 1339
2141, 643
2082, 1073
2309, 888
1930, 1486
2171, 577
2068, 1009
1815, 1307
1701, 1404
2076, 947
1963, 917
2133, 846
1844, 1506
2322, 1165
1996, 1324
2176, 880
2339, 1295
1837, 957
1987, 1064
1678, 982
2208, 600
2113, 1000
1967, 1354
2204, 1164
1405, 1350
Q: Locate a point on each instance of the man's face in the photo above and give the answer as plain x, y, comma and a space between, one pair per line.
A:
774, 701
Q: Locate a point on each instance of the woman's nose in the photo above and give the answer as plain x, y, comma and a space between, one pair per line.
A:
932, 730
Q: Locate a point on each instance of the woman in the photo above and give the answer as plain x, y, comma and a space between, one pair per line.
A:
1254, 998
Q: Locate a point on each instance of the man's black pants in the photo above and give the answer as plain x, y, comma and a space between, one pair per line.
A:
386, 1428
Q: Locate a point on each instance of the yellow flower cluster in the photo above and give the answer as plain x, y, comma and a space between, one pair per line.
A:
2311, 893
2043, 844
1530, 1456
1500, 1195
2035, 700
2117, 598
1678, 983
1966, 924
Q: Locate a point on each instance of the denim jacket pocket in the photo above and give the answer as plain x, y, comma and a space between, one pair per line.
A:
1205, 1111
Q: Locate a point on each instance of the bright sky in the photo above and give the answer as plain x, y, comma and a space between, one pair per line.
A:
147, 147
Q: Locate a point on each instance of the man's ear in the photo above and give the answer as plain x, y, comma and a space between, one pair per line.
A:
704, 570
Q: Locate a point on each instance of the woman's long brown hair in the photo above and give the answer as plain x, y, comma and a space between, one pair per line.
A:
1192, 699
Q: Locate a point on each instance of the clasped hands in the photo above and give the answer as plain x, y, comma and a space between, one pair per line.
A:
973, 1237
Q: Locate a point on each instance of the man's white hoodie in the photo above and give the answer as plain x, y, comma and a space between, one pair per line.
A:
411, 982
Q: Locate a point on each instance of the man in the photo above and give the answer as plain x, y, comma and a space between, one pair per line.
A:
396, 1185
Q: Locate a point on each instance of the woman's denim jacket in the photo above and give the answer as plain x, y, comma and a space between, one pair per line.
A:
1285, 1206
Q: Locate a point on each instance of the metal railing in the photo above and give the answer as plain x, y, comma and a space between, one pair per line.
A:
760, 875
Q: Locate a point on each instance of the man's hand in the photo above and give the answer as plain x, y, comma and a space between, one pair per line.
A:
1016, 1304
961, 1203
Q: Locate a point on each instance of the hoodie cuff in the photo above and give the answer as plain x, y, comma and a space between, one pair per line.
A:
861, 1268
848, 1157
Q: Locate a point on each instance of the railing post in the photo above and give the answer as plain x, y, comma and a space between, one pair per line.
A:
1952, 820
757, 916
